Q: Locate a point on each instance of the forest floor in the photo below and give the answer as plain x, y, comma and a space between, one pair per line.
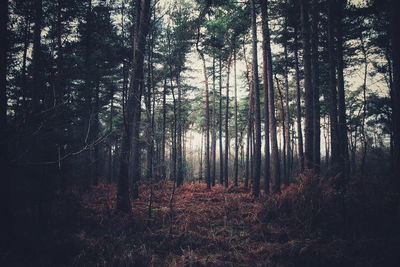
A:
229, 227
311, 223
198, 227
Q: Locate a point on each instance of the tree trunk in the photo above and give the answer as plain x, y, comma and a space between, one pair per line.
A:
221, 153
315, 86
309, 130
236, 163
179, 135
214, 131
227, 139
269, 87
287, 172
5, 207
164, 122
37, 56
343, 140
332, 89
284, 127
134, 109
257, 122
298, 105
395, 40
207, 133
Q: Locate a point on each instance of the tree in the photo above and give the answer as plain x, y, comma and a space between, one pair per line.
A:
309, 123
269, 89
335, 154
257, 122
131, 136
395, 45
315, 85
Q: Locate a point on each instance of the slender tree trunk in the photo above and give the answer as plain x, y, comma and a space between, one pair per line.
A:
180, 135
37, 55
95, 131
267, 160
332, 89
134, 109
342, 124
236, 163
221, 153
284, 127
395, 40
309, 130
364, 117
268, 82
5, 207
257, 122
207, 133
149, 111
298, 105
201, 160
287, 172
214, 131
315, 86
164, 122
227, 139
111, 140
24, 67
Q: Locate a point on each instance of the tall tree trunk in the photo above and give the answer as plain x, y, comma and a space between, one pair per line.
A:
227, 139
88, 95
364, 116
343, 139
179, 135
5, 207
111, 139
149, 111
164, 122
309, 130
287, 130
284, 127
298, 105
134, 109
257, 122
201, 159
94, 135
315, 86
221, 152
269, 84
236, 163
214, 131
332, 89
395, 40
207, 133
267, 160
37, 56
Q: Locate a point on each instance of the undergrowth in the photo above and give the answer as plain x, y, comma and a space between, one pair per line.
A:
312, 223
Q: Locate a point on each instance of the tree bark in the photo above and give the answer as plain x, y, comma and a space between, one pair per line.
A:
332, 89
343, 139
395, 40
227, 139
315, 85
221, 152
134, 110
214, 130
298, 105
269, 87
257, 122
309, 130
236, 163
